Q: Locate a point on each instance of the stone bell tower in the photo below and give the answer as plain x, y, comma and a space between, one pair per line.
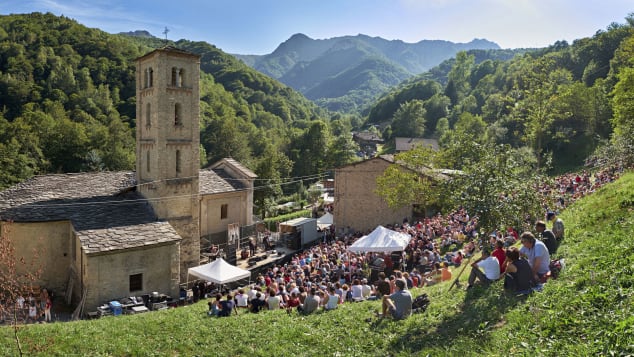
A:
167, 143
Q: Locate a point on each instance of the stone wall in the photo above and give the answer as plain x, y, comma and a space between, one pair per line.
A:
52, 241
356, 204
107, 276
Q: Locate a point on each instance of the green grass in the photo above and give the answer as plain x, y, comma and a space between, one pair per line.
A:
588, 311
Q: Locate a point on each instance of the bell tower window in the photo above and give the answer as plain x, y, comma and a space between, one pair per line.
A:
174, 77
148, 115
147, 161
178, 162
181, 77
178, 120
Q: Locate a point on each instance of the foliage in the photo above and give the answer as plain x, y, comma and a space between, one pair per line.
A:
494, 182
68, 105
555, 100
272, 222
410, 180
346, 73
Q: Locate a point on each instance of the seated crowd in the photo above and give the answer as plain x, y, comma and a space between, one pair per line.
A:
327, 275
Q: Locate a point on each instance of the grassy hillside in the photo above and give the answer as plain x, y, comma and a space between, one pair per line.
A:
588, 311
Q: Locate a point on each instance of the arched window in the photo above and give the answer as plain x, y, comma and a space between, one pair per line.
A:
148, 115
174, 77
178, 161
181, 77
147, 161
178, 120
146, 78
151, 75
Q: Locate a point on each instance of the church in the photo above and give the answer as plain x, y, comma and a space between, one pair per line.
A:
101, 236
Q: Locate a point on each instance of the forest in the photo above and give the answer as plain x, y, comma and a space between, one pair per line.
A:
67, 105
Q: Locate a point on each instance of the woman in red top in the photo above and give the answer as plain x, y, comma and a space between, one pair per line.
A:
500, 254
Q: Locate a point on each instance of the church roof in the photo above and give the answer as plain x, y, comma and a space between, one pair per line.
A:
235, 165
105, 210
217, 180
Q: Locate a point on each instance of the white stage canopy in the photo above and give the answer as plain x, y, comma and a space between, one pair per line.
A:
219, 272
381, 240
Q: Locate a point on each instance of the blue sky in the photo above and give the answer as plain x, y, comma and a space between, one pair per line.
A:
259, 26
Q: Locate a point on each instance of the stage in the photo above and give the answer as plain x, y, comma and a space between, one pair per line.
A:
264, 259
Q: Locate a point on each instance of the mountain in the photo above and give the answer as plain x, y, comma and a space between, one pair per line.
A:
346, 73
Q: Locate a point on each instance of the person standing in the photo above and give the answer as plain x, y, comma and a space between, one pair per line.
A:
32, 312
47, 309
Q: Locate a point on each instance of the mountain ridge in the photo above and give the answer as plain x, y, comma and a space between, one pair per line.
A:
319, 68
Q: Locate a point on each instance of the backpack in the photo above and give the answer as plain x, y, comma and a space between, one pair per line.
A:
556, 266
420, 303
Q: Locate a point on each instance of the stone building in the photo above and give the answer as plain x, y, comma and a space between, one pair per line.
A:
357, 207
108, 235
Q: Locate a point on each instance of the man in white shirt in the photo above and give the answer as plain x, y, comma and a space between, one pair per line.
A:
490, 266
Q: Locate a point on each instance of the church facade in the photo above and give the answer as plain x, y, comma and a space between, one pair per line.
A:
106, 235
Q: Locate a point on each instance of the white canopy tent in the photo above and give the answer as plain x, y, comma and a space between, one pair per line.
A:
381, 240
325, 221
219, 272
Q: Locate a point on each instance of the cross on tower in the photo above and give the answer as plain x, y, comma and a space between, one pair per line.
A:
165, 33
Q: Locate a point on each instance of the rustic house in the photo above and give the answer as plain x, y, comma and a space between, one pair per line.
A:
108, 235
357, 207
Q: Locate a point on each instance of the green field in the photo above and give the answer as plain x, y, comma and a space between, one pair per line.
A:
588, 311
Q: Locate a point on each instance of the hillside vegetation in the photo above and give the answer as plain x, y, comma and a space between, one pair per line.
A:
588, 311
560, 101
67, 104
346, 73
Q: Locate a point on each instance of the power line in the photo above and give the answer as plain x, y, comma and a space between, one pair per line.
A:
169, 198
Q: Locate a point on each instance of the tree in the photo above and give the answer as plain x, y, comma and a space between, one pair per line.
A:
17, 275
342, 151
494, 182
409, 120
540, 106
410, 180
271, 169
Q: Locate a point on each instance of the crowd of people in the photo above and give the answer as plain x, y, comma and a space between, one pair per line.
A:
30, 307
327, 275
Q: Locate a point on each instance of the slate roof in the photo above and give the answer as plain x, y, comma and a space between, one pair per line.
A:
243, 170
217, 181
103, 207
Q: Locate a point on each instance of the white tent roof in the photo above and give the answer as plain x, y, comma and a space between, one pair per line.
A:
219, 272
325, 220
381, 240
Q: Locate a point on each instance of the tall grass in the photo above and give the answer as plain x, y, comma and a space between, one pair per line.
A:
588, 311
